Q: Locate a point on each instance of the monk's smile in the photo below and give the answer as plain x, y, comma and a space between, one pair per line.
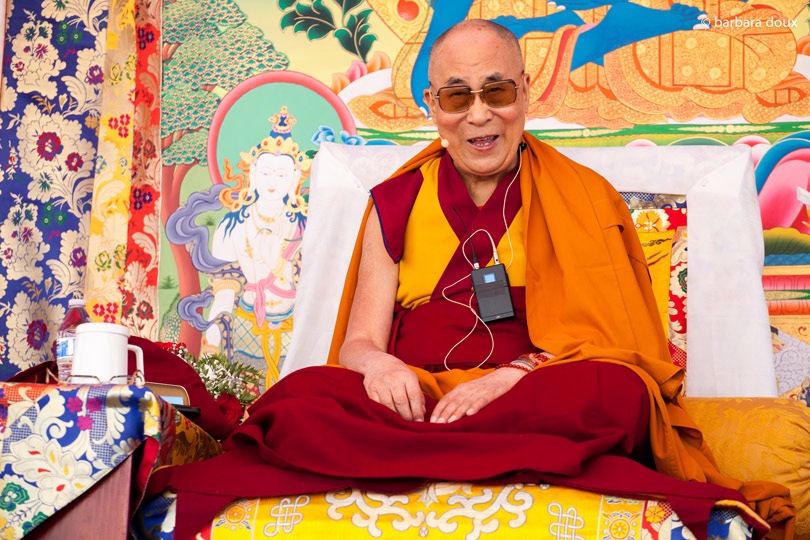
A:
483, 143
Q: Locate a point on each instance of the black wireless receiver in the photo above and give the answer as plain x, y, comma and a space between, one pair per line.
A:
490, 286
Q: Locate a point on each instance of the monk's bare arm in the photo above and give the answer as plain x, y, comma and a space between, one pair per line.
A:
372, 310
386, 378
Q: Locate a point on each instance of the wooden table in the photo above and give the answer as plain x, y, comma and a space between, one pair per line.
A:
103, 512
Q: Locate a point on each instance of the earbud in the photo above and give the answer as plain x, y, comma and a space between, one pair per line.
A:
445, 143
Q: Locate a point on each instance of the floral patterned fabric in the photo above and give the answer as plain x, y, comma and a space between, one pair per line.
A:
139, 287
77, 142
109, 215
52, 87
57, 441
444, 510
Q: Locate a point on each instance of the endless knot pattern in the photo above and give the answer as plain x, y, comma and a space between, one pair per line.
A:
568, 523
286, 514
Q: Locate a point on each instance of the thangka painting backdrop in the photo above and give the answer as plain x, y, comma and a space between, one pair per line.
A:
244, 91
279, 78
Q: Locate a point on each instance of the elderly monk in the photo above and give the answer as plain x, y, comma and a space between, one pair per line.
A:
576, 388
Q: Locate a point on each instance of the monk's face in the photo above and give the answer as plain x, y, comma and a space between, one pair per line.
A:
483, 140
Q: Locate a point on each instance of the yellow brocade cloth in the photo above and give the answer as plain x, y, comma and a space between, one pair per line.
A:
589, 297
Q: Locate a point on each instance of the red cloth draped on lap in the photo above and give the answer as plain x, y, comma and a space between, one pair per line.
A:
575, 424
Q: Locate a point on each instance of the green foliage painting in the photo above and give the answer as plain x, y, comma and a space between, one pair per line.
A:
318, 21
209, 47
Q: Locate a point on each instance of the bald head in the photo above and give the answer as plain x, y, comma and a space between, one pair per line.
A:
473, 25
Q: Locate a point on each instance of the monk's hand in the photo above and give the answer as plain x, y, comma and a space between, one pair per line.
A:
468, 398
390, 382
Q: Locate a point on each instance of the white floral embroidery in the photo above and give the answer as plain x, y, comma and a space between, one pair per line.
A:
674, 323
87, 85
3, 352
35, 60
69, 268
137, 276
40, 188
16, 409
677, 281
60, 477
8, 96
124, 448
55, 9
15, 500
21, 245
54, 154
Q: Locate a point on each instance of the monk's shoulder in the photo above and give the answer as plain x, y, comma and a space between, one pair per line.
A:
398, 186
606, 201
596, 184
393, 199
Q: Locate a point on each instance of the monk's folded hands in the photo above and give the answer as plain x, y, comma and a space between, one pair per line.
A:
468, 398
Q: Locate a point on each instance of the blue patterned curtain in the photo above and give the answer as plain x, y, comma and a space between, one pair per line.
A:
52, 90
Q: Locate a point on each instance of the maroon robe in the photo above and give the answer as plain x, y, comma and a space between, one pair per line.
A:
577, 425
582, 425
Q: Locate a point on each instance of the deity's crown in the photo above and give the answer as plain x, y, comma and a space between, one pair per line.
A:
279, 142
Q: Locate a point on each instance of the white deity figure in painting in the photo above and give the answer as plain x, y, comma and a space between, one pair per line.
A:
262, 233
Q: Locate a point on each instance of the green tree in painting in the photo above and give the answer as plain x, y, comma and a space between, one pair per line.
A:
208, 48
318, 21
167, 282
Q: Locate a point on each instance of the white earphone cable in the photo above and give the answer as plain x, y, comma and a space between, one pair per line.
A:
491, 241
477, 319
503, 213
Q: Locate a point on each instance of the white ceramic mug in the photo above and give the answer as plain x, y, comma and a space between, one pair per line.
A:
100, 354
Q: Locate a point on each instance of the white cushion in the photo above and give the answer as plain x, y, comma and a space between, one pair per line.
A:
729, 349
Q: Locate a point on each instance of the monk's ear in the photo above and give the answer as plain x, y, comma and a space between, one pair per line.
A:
525, 89
431, 103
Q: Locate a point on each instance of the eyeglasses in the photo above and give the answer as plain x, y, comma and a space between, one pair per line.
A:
457, 99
